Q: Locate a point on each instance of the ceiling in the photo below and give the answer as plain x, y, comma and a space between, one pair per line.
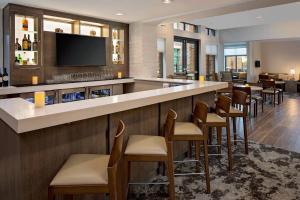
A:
134, 10
269, 15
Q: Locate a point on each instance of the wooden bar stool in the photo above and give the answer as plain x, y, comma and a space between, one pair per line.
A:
190, 131
239, 108
214, 120
90, 173
270, 90
147, 148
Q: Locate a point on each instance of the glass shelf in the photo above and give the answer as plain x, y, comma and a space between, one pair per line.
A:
26, 40
118, 46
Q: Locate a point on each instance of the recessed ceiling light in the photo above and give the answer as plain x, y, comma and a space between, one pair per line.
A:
259, 17
119, 14
167, 1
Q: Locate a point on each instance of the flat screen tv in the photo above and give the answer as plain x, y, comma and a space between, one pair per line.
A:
78, 50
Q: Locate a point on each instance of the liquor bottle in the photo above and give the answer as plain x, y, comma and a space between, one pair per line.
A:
25, 43
17, 45
29, 43
35, 43
1, 79
25, 24
20, 60
5, 78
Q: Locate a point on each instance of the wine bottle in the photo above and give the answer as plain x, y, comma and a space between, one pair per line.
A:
25, 24
35, 43
1, 79
29, 43
24, 43
5, 78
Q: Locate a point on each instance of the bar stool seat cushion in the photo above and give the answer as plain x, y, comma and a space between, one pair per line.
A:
146, 145
187, 128
257, 97
214, 118
232, 110
270, 91
83, 169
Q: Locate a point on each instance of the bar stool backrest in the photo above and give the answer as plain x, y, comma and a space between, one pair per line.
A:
200, 111
117, 148
269, 84
239, 97
223, 103
170, 124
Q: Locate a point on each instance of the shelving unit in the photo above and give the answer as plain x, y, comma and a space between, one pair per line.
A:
28, 56
42, 25
117, 46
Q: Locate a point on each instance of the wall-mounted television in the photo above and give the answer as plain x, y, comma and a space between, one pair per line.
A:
79, 50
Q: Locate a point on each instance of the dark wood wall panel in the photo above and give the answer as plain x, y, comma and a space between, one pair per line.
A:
183, 108
140, 121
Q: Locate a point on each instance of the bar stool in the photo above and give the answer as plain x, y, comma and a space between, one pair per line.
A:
90, 173
147, 148
239, 100
214, 120
190, 131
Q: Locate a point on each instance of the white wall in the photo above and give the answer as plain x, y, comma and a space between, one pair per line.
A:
263, 32
254, 53
281, 56
143, 54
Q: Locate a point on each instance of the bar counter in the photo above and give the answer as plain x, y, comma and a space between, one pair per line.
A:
35, 142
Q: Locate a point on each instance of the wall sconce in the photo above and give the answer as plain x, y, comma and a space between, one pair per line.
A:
293, 72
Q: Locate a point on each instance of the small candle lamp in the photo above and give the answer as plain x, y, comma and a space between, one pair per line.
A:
35, 80
39, 99
293, 72
119, 74
201, 78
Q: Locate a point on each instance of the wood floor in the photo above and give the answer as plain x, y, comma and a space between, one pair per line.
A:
279, 126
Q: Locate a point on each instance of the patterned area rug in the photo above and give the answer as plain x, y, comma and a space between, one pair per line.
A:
266, 173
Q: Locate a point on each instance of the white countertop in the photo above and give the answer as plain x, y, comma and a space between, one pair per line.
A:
19, 90
22, 116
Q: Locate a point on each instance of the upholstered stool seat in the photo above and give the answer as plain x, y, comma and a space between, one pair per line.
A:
146, 145
270, 91
91, 173
83, 169
215, 118
187, 128
232, 110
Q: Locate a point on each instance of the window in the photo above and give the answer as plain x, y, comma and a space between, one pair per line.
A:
210, 32
236, 58
183, 26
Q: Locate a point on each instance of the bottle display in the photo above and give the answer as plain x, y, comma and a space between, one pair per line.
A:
25, 24
28, 43
5, 78
26, 40
35, 43
118, 46
25, 43
18, 47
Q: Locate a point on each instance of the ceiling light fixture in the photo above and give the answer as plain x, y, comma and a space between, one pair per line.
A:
259, 17
119, 14
167, 1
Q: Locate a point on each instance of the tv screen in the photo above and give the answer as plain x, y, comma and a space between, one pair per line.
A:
78, 50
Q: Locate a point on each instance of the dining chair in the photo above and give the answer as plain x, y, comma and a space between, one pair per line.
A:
270, 90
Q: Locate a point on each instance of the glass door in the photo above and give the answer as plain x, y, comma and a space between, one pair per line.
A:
178, 57
186, 57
